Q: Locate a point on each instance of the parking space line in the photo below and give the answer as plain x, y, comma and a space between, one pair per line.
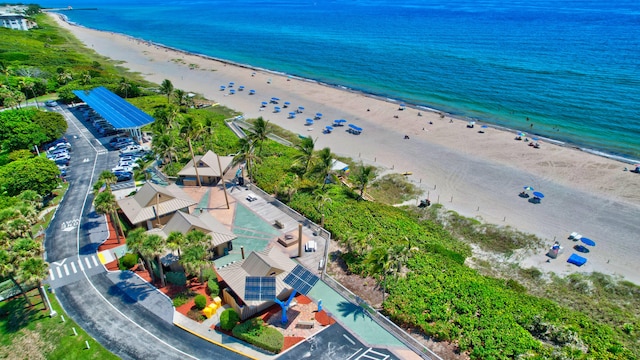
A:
73, 267
59, 272
51, 274
66, 271
95, 262
349, 339
86, 260
354, 354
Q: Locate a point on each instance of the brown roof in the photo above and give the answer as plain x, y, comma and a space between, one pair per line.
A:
152, 199
268, 262
208, 165
203, 221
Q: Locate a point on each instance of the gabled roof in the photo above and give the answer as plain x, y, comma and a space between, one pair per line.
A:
154, 199
209, 165
203, 221
258, 264
117, 111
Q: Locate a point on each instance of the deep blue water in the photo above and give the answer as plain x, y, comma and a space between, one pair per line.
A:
572, 67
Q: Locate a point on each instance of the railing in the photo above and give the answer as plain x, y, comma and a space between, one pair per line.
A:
382, 320
243, 124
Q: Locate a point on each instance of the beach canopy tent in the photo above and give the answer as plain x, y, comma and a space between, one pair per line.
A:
577, 260
118, 112
337, 165
354, 129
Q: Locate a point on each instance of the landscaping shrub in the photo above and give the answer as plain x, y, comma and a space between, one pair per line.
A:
182, 298
256, 333
214, 288
228, 319
176, 278
201, 301
209, 273
129, 260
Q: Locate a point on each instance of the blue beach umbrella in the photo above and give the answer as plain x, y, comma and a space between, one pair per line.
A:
222, 87
309, 121
588, 241
329, 127
484, 126
252, 92
264, 103
528, 188
231, 84
301, 108
240, 88
318, 114
538, 194
232, 91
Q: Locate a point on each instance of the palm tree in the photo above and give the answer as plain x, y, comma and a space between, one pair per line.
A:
24, 85
260, 133
193, 259
176, 240
305, 158
192, 129
135, 241
363, 176
165, 147
124, 86
105, 203
86, 78
32, 271
323, 167
322, 200
153, 246
64, 77
246, 154
180, 96
6, 71
166, 88
31, 197
108, 178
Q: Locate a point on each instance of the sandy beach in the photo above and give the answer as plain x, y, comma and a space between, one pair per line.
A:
476, 174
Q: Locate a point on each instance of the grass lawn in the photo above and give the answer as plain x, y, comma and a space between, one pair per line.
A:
29, 333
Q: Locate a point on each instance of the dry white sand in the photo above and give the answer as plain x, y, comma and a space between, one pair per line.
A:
476, 174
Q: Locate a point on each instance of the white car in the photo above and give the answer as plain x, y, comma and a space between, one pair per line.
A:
57, 152
132, 149
120, 169
128, 164
61, 157
60, 145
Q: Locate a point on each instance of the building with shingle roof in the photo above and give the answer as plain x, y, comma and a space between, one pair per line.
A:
208, 169
155, 204
182, 222
269, 262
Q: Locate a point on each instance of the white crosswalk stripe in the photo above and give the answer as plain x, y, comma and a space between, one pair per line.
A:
95, 262
86, 260
51, 274
80, 264
59, 272
73, 267
66, 270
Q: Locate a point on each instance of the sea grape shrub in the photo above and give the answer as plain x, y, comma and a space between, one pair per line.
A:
228, 319
213, 286
200, 301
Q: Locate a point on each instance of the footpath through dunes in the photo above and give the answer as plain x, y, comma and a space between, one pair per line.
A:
476, 174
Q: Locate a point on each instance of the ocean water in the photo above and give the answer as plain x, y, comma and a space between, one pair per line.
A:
570, 68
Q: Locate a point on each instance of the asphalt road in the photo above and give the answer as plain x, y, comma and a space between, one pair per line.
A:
99, 306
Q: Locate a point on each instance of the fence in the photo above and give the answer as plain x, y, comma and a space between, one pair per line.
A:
376, 316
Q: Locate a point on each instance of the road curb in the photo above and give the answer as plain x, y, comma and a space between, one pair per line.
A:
214, 342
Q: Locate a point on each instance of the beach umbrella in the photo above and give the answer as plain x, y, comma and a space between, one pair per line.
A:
588, 241
528, 188
522, 134
252, 92
484, 126
538, 194
534, 138
286, 103
309, 121
318, 115
240, 88
222, 87
264, 103
301, 108
231, 84
329, 127
232, 91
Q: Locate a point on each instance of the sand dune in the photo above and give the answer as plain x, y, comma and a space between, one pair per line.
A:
476, 174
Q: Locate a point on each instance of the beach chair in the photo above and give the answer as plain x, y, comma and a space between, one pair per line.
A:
573, 235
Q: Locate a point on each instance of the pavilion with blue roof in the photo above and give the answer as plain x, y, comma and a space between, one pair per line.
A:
118, 112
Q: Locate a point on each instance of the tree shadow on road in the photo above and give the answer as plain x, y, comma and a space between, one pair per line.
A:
348, 309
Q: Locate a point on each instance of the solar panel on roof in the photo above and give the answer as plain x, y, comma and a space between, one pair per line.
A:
118, 112
301, 279
259, 288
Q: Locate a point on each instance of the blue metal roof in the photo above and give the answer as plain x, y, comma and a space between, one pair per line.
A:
114, 109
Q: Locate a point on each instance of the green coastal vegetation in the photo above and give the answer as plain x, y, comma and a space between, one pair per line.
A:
419, 256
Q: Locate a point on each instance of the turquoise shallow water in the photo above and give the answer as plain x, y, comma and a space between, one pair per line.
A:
572, 68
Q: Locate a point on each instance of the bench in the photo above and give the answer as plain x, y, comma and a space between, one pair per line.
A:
306, 324
278, 224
